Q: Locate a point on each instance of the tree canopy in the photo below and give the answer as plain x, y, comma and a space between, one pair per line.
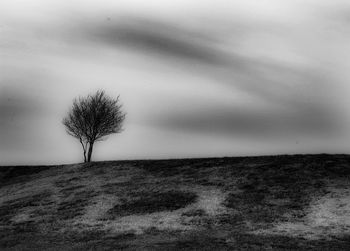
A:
92, 118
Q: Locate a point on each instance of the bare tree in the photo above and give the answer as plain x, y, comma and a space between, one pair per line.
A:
92, 118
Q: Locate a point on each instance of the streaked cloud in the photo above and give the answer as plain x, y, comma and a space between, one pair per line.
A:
256, 71
298, 92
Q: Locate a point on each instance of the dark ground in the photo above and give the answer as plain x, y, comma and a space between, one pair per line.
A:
298, 202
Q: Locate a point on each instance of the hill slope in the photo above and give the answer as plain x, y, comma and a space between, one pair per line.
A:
247, 203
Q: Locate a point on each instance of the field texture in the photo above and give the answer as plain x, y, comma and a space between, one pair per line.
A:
299, 202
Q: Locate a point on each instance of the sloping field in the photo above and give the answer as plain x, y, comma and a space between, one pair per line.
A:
299, 202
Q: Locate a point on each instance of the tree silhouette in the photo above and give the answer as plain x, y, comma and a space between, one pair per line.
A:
92, 118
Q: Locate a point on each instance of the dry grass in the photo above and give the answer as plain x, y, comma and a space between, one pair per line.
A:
297, 202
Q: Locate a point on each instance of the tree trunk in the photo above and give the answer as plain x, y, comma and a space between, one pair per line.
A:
84, 149
84, 156
91, 145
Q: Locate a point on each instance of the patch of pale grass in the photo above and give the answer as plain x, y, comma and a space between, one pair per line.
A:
332, 209
139, 223
209, 201
21, 217
327, 216
97, 209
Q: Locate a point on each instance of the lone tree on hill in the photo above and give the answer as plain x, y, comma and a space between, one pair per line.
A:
92, 118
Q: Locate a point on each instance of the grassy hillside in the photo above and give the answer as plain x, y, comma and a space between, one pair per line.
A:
299, 202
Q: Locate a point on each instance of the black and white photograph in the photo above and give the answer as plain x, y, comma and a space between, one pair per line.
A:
174, 125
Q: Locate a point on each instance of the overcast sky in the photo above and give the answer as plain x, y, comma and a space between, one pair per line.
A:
196, 78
